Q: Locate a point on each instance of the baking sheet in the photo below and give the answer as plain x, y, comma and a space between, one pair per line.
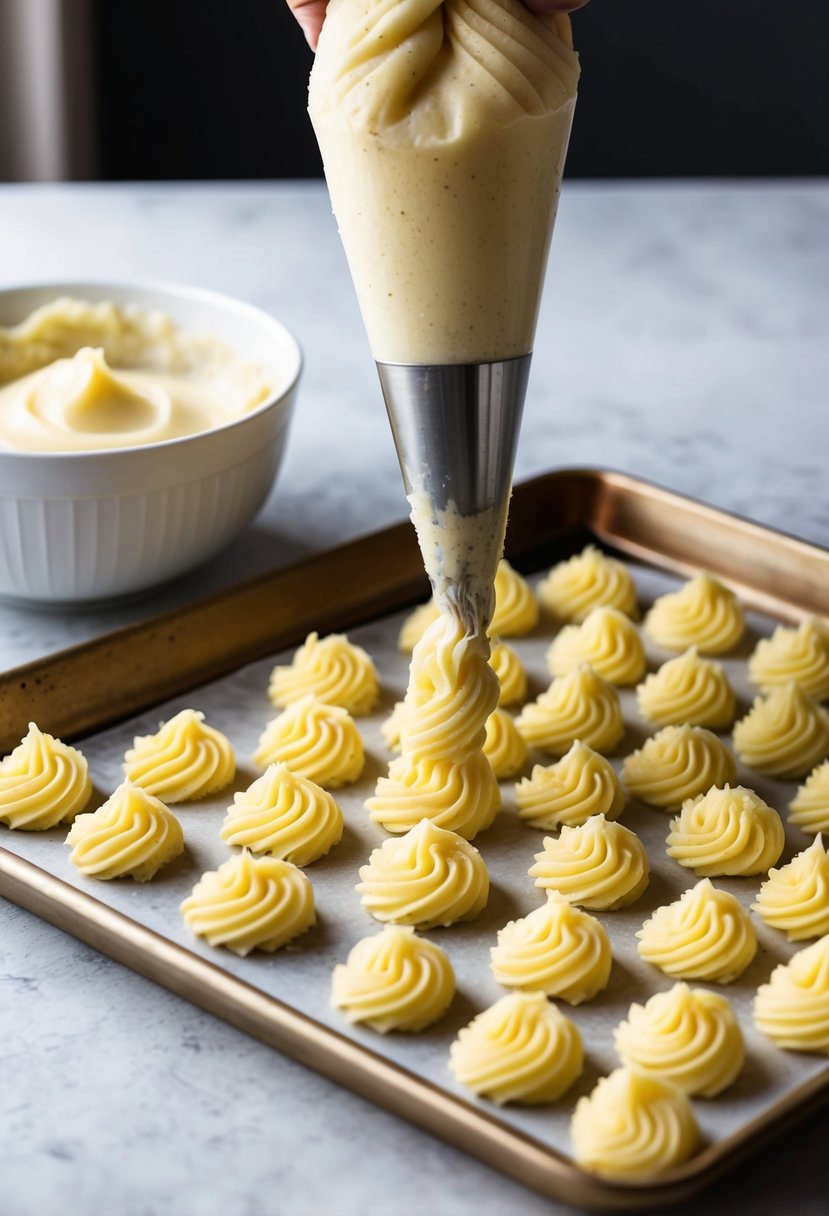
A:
300, 974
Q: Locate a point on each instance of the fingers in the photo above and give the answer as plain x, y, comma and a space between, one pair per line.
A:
310, 14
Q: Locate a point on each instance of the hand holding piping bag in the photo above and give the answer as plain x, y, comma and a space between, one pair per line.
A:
311, 13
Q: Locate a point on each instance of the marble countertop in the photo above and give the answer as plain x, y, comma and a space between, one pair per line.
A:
682, 338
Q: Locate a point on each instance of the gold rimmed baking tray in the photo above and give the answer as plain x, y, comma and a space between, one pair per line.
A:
105, 681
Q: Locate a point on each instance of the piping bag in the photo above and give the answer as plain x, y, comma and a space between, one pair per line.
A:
443, 127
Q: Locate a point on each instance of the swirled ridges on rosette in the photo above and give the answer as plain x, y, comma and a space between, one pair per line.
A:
557, 949
726, 832
793, 1007
589, 580
516, 608
678, 763
43, 782
599, 865
512, 678
522, 1049
809, 809
688, 1036
795, 898
454, 116
504, 746
784, 733
394, 980
688, 689
426, 878
250, 903
132, 835
462, 798
580, 785
333, 670
452, 691
607, 640
800, 655
704, 935
633, 1126
580, 705
317, 741
285, 815
185, 760
703, 613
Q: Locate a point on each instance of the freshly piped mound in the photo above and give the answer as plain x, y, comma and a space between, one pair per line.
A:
607, 640
589, 580
285, 815
516, 610
678, 763
557, 949
688, 1036
633, 1127
793, 1007
795, 898
333, 670
727, 832
317, 741
704, 935
184, 761
703, 613
580, 705
599, 865
784, 733
250, 903
522, 1049
442, 773
512, 678
797, 655
394, 981
580, 785
504, 746
43, 782
426, 878
132, 835
809, 809
688, 689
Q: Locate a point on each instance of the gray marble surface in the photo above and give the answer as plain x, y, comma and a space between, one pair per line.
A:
682, 338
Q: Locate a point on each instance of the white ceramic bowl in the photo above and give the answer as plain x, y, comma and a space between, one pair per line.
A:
80, 526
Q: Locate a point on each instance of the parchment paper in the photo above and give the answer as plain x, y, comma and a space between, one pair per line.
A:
300, 974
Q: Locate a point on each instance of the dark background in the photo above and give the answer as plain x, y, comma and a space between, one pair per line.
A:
216, 89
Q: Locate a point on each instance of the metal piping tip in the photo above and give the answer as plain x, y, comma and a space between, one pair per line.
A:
456, 428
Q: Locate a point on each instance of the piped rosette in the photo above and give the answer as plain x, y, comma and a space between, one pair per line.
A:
184, 761
43, 782
333, 670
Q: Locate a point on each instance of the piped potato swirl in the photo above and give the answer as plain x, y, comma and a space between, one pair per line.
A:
250, 903
800, 656
132, 835
285, 815
578, 706
600, 865
589, 580
522, 1049
792, 1009
795, 898
690, 690
784, 734
677, 763
704, 935
184, 761
43, 782
608, 640
426, 878
809, 809
633, 1126
726, 831
556, 949
315, 740
702, 613
688, 1036
442, 773
394, 980
333, 670
580, 785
